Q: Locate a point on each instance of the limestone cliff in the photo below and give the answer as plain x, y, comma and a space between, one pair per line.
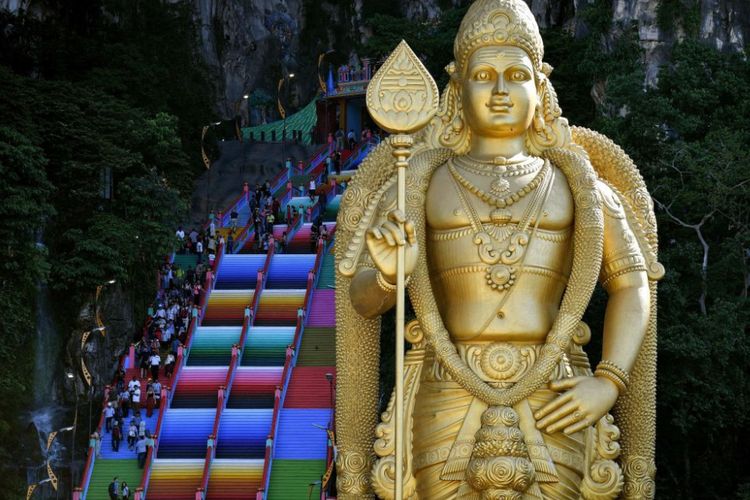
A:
251, 43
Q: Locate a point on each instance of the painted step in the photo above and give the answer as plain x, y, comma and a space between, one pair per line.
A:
318, 347
243, 433
327, 279
309, 387
227, 307
323, 309
332, 209
302, 434
104, 470
291, 479
239, 271
198, 386
289, 271
279, 307
266, 345
300, 243
174, 479
212, 345
184, 433
233, 479
254, 387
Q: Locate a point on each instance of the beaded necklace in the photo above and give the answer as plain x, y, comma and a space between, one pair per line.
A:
494, 169
497, 201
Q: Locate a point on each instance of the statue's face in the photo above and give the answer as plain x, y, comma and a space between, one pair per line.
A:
499, 93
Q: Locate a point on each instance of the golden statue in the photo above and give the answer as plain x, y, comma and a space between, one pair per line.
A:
511, 217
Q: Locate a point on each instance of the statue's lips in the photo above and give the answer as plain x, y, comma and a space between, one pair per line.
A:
500, 106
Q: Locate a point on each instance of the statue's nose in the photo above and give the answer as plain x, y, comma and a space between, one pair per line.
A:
500, 87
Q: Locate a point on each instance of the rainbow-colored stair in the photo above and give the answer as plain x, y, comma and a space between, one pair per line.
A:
269, 401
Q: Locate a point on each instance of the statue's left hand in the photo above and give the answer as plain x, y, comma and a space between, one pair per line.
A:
584, 402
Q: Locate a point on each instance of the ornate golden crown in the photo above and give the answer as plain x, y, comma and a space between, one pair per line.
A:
498, 22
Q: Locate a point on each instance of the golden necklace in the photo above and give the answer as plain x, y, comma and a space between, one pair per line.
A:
503, 260
497, 201
493, 169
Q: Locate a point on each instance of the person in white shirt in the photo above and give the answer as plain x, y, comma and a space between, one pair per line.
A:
180, 233
155, 361
133, 384
169, 365
109, 413
157, 387
135, 399
166, 334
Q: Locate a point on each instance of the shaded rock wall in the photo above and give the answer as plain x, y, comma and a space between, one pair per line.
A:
249, 43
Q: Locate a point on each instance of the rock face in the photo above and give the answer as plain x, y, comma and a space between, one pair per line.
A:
99, 352
249, 44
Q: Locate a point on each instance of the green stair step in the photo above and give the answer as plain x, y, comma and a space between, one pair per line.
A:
185, 261
290, 479
318, 347
327, 272
104, 470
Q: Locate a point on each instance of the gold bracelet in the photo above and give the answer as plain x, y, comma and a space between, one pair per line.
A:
611, 371
601, 373
383, 284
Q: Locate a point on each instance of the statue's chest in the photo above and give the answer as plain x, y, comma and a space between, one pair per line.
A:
450, 205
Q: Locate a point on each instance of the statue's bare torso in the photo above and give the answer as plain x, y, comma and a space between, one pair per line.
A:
468, 306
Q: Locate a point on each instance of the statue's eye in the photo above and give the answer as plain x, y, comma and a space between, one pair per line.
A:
482, 75
519, 76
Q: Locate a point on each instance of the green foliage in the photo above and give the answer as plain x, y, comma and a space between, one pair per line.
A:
690, 136
597, 15
91, 87
24, 191
685, 14
431, 41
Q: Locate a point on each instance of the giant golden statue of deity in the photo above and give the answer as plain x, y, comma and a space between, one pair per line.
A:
511, 218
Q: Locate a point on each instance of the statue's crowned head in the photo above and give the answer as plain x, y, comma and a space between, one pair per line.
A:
503, 35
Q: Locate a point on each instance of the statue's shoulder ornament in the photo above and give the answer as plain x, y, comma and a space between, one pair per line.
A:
623, 192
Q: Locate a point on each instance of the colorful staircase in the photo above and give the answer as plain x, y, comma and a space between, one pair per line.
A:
263, 386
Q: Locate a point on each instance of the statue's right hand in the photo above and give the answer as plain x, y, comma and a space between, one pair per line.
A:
383, 242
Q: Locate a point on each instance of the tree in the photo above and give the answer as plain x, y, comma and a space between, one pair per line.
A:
24, 191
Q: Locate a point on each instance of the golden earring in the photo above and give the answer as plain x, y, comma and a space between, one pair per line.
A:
538, 119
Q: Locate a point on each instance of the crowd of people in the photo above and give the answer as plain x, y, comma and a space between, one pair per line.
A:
203, 243
131, 402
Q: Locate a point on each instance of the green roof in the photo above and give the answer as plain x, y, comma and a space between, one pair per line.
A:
304, 119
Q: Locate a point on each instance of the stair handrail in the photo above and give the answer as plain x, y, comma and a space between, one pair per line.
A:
280, 178
179, 363
141, 488
318, 157
82, 490
225, 390
289, 363
234, 205
244, 234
